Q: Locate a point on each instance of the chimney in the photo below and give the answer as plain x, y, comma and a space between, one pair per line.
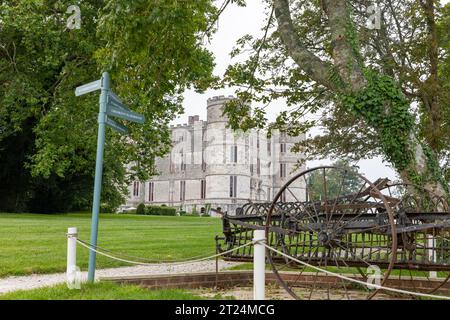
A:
192, 119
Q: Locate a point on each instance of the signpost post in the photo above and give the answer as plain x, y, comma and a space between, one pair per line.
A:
110, 105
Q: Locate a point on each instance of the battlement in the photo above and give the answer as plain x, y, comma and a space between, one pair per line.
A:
219, 100
215, 108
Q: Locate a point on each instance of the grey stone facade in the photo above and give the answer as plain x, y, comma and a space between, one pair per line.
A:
212, 166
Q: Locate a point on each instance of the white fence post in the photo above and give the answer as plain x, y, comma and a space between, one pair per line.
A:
71, 271
432, 253
259, 265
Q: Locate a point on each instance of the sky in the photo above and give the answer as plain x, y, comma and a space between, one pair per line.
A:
233, 24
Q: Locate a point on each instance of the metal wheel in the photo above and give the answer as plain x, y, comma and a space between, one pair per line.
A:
423, 227
335, 219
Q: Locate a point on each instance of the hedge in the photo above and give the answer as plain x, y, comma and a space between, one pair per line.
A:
160, 211
141, 209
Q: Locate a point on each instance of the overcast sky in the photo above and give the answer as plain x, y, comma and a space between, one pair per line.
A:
233, 24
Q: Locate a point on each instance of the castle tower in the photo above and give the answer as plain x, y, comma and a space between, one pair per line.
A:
227, 159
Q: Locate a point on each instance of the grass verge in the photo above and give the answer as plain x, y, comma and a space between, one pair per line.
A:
99, 291
37, 243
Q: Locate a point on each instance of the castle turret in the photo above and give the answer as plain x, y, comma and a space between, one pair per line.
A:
227, 174
215, 107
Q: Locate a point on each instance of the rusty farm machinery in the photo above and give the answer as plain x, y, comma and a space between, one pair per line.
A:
336, 219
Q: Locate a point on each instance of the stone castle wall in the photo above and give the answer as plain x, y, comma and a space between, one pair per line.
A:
209, 151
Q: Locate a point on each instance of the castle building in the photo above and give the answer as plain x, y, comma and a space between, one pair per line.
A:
213, 168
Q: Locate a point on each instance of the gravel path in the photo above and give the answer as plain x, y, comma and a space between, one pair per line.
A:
42, 280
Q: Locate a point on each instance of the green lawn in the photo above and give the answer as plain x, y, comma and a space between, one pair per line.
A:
99, 291
34, 243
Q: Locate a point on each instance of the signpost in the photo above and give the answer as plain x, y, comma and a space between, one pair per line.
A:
117, 126
124, 114
110, 105
89, 87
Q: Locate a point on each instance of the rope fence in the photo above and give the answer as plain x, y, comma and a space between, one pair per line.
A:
379, 287
90, 247
261, 242
147, 260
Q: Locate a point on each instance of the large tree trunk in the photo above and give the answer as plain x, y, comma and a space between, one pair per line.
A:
346, 64
421, 167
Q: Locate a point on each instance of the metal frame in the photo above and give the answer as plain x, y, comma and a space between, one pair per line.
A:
376, 225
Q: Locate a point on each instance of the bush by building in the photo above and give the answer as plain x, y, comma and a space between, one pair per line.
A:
141, 209
160, 211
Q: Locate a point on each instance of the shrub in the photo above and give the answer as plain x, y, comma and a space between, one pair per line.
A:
161, 211
140, 209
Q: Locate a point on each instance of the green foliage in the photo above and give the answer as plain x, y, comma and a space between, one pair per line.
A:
153, 50
338, 183
160, 211
41, 62
383, 106
357, 125
141, 209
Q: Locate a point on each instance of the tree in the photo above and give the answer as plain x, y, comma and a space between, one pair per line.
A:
153, 50
40, 62
379, 91
338, 182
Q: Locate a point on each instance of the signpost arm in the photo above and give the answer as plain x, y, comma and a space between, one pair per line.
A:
98, 173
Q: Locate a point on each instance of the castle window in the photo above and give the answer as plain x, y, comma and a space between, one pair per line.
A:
182, 190
269, 148
151, 191
282, 147
268, 194
202, 189
183, 164
233, 186
282, 170
233, 154
203, 161
258, 166
136, 188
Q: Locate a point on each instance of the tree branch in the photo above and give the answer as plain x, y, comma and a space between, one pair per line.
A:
344, 56
316, 69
